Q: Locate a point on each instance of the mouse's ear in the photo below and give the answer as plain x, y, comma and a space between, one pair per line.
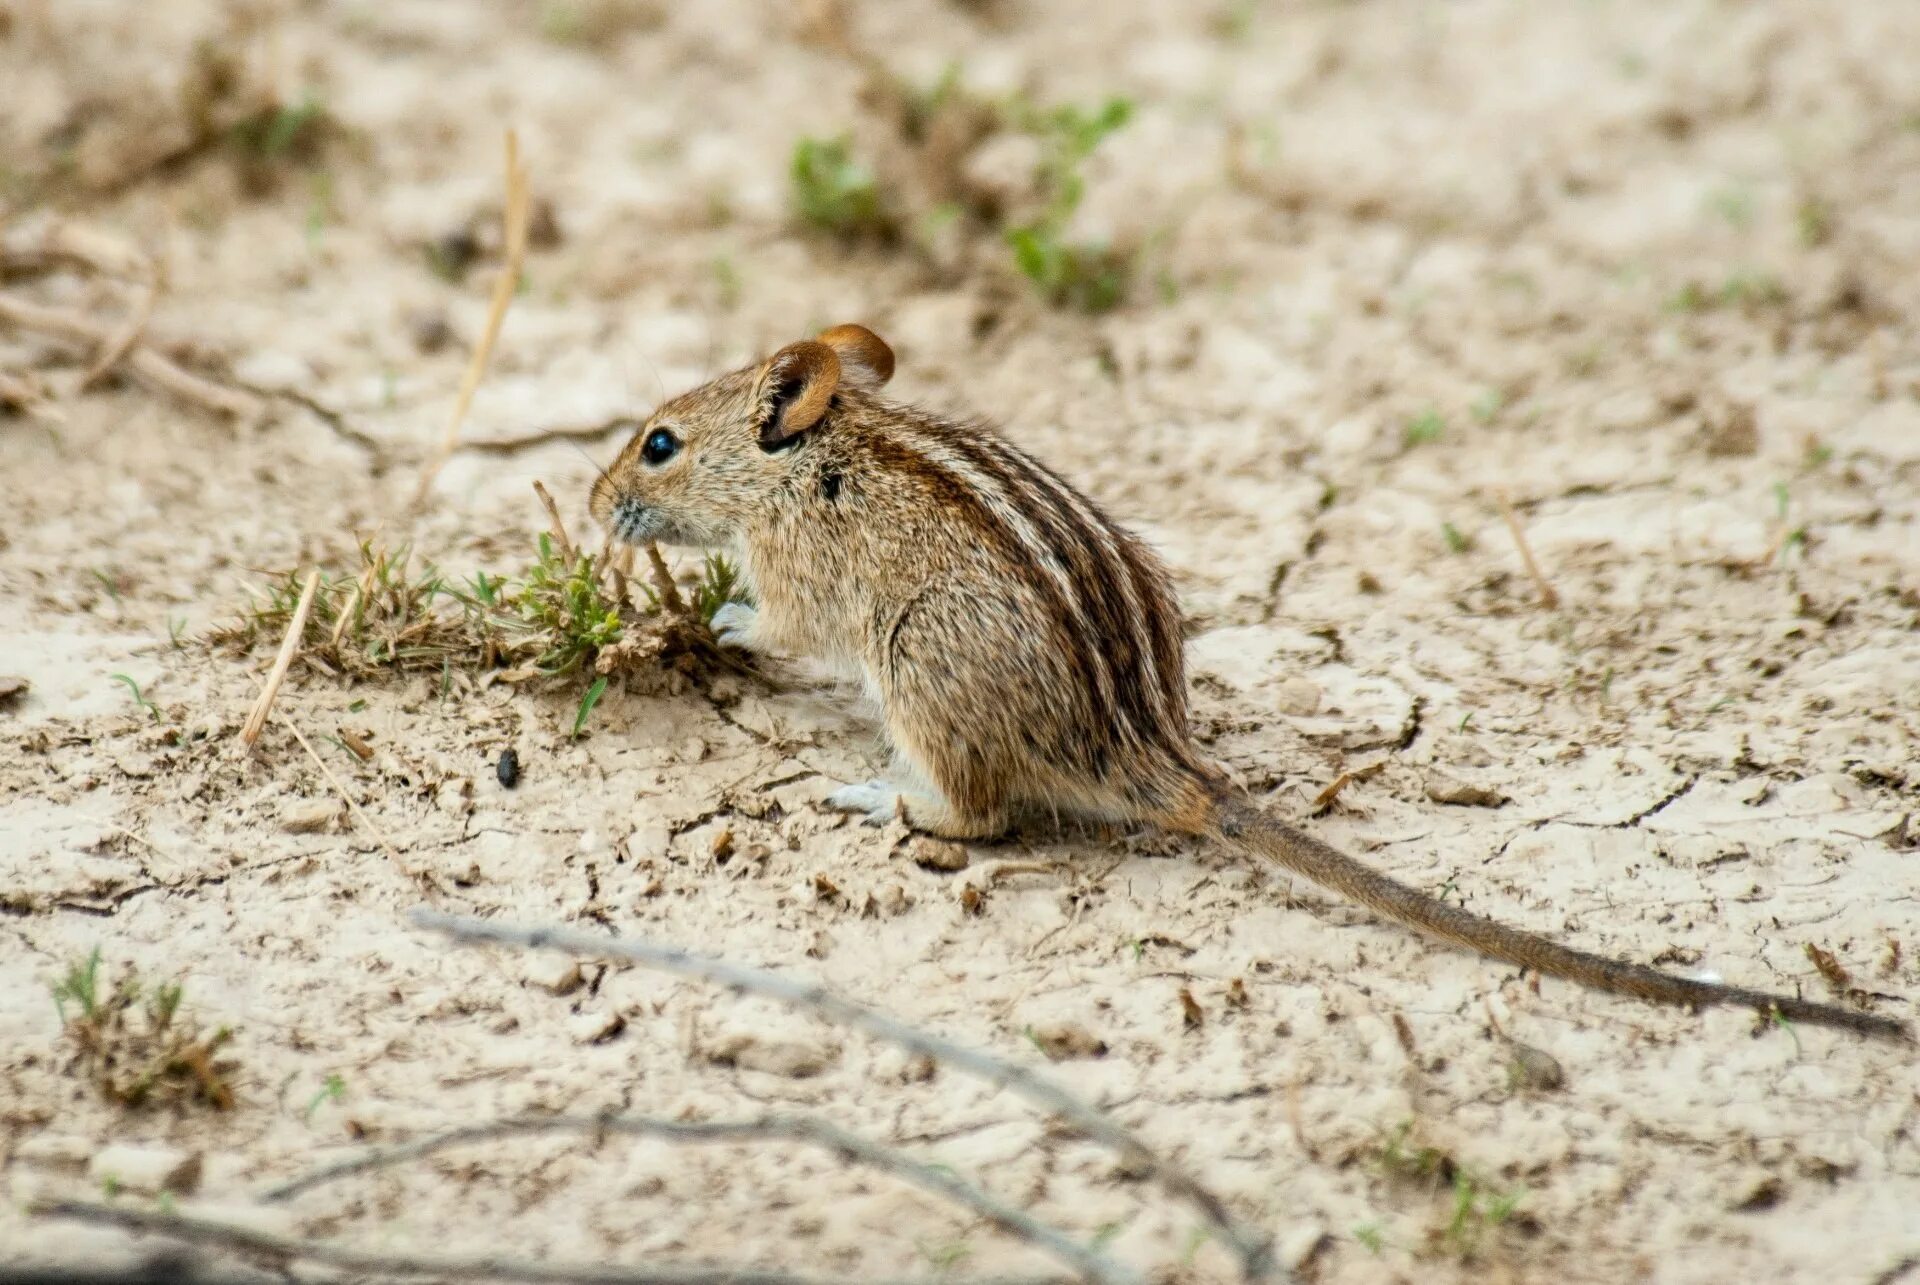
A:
794, 390
864, 356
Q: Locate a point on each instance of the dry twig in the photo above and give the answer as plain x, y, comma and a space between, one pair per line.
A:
663, 583
1548, 597
359, 814
296, 629
517, 218
147, 363
1090, 1265
1324, 800
282, 1249
1254, 1252
22, 393
555, 525
115, 350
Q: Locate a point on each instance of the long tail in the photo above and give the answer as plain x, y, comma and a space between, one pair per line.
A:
1240, 824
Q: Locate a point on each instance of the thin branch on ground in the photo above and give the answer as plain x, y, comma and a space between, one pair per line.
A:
282, 1249
42, 245
115, 350
147, 363
1090, 1265
24, 394
1253, 1251
559, 433
420, 881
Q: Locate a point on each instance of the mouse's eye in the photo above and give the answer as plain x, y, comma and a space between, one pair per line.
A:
659, 447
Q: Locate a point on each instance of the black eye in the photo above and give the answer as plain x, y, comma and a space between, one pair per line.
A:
659, 447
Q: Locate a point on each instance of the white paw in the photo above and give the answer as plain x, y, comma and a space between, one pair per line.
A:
733, 624
877, 799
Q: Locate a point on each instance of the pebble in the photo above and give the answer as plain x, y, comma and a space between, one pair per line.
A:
146, 1170
937, 854
554, 974
1442, 788
309, 816
1298, 698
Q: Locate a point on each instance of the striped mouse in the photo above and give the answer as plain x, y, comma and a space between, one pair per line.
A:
1023, 649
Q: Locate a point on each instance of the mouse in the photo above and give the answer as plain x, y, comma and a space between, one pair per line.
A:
1024, 650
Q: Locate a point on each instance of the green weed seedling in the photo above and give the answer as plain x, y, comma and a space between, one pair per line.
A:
139, 697
835, 193
587, 702
1423, 428
1475, 1209
1084, 275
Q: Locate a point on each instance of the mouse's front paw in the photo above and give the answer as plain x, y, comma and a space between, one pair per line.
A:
877, 799
733, 625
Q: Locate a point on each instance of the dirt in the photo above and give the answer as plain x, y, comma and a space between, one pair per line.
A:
1649, 271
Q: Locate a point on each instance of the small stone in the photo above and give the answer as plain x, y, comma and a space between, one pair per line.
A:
1442, 788
1535, 1069
12, 688
145, 1170
1298, 698
1062, 1041
938, 854
793, 1056
309, 816
508, 768
1301, 1246
554, 974
903, 1067
597, 1028
54, 1151
1735, 434
431, 332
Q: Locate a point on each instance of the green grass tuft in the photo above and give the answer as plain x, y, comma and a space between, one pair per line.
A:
835, 193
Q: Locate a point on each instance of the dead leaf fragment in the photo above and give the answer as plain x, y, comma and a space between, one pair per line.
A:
1830, 968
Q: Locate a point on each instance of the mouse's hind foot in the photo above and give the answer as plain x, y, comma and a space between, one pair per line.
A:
881, 802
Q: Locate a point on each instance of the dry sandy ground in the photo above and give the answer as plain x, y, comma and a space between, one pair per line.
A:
1654, 269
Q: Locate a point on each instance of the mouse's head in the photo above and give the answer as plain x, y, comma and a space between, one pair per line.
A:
705, 462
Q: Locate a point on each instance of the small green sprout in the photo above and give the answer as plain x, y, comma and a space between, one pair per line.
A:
1425, 427
139, 698
587, 702
835, 193
333, 1090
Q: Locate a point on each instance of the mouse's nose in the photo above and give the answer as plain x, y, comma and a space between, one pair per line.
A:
630, 521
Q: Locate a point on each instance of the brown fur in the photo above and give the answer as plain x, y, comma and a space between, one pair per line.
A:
1024, 650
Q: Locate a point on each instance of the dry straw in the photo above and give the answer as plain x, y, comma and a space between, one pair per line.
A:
517, 217
296, 630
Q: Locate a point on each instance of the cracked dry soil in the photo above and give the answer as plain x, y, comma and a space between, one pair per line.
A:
1650, 271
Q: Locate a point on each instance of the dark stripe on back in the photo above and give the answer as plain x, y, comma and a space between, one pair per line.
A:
946, 489
1095, 562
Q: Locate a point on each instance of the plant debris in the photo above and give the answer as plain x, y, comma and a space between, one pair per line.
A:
135, 1045
560, 616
